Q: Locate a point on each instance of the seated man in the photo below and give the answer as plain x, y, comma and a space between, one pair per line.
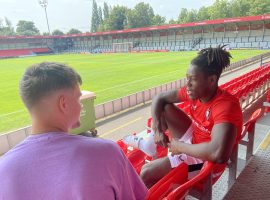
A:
208, 131
52, 164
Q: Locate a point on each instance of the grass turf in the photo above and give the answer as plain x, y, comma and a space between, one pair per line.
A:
110, 76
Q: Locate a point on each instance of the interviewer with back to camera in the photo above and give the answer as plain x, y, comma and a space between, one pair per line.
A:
52, 164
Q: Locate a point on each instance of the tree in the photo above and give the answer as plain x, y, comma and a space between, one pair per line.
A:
26, 28
45, 33
259, 7
57, 32
158, 20
191, 16
100, 17
106, 11
74, 31
142, 15
203, 14
95, 17
6, 30
172, 21
182, 18
220, 9
117, 18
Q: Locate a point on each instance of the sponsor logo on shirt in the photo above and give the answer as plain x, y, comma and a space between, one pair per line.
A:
202, 128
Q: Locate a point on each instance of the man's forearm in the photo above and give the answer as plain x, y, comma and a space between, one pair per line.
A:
161, 100
158, 104
204, 151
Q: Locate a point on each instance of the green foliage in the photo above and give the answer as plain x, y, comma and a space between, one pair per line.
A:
57, 32
159, 20
259, 7
225, 9
45, 33
26, 28
74, 31
202, 14
117, 19
106, 11
172, 21
182, 18
95, 17
120, 17
220, 9
100, 17
7, 29
142, 15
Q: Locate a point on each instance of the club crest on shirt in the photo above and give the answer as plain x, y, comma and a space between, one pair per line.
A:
207, 114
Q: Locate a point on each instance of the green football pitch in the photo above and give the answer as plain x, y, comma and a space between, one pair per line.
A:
110, 76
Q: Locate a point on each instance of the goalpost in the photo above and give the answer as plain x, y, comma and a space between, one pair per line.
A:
122, 47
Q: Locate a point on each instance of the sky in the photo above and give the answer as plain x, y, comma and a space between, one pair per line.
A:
67, 14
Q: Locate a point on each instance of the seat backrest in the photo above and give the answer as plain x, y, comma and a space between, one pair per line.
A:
249, 125
137, 159
205, 172
172, 180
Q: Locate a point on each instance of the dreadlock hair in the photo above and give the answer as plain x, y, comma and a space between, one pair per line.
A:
212, 61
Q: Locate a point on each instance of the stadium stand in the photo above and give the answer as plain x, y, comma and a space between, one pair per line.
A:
239, 33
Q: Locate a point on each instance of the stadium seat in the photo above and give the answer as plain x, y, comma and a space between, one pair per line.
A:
168, 183
204, 178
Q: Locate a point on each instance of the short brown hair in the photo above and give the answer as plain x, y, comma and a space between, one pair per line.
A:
41, 79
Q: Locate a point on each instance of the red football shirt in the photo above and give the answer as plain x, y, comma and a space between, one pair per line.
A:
223, 107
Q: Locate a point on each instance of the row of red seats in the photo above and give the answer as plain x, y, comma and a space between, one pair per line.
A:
22, 52
14, 53
245, 79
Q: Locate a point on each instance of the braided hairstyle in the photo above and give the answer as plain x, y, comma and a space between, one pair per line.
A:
212, 61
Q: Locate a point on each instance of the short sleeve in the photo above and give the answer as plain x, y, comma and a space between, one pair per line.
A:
227, 111
132, 186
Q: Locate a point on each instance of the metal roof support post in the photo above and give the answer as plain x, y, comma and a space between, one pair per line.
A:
213, 30
263, 30
152, 37
159, 39
112, 39
132, 37
249, 30
167, 37
174, 36
224, 33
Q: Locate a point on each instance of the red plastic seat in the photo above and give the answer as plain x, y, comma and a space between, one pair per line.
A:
137, 159
267, 109
168, 183
181, 191
249, 125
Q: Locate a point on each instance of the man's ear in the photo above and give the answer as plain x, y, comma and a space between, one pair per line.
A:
62, 103
212, 80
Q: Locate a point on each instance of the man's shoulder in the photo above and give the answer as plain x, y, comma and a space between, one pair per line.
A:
226, 97
90, 142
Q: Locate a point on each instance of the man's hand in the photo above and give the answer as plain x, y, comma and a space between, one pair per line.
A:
175, 146
161, 139
159, 126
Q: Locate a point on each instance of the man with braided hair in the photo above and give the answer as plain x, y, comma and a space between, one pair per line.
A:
208, 131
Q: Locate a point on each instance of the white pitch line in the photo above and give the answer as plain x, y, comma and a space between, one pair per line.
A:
132, 82
11, 113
